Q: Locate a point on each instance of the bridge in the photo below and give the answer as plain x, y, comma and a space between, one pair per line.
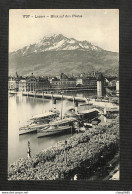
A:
56, 96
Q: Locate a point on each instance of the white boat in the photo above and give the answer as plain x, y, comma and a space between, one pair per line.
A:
59, 126
82, 129
44, 117
25, 131
37, 122
30, 128
88, 124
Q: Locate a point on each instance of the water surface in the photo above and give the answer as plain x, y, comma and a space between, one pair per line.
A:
20, 110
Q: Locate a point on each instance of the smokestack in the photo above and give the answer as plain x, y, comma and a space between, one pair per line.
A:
76, 106
54, 103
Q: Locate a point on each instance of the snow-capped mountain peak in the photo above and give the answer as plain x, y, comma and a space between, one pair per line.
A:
56, 54
58, 42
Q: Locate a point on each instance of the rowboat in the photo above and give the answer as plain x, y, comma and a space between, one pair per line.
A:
88, 125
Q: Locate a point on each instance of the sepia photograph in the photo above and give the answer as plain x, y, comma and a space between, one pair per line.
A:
63, 94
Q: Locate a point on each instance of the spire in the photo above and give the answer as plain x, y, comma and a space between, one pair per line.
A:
99, 77
16, 74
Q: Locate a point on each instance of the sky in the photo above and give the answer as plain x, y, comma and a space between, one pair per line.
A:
98, 26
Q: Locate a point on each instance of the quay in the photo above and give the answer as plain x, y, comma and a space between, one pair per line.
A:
97, 103
56, 96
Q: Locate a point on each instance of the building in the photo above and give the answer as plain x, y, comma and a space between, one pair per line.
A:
42, 84
90, 82
22, 85
13, 83
31, 83
64, 82
70, 83
55, 82
79, 82
87, 82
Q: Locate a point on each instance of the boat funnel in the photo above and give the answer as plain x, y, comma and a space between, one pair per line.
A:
76, 106
105, 111
54, 103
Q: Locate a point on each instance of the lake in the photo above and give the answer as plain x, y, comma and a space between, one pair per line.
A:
20, 110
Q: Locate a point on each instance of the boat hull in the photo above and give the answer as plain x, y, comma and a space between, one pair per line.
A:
54, 131
32, 128
27, 131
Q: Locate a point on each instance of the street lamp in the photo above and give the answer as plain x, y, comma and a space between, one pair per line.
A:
65, 154
61, 103
29, 150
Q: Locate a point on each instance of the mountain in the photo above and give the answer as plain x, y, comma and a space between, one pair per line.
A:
57, 54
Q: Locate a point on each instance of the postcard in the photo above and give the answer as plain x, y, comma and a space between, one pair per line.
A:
63, 94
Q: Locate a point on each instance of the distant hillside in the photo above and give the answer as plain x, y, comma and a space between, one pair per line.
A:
56, 54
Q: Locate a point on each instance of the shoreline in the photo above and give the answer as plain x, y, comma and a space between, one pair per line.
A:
58, 162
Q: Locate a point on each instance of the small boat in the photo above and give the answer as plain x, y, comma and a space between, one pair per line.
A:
82, 129
86, 104
30, 128
88, 125
95, 122
42, 118
58, 126
38, 122
86, 115
26, 130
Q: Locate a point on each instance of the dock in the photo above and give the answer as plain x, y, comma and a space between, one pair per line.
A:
56, 96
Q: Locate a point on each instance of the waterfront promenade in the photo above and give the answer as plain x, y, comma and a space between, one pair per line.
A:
97, 103
71, 98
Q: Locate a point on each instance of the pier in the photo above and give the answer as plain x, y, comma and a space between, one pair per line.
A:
56, 96
98, 103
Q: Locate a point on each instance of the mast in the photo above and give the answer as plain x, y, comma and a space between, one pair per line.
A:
29, 150
54, 104
76, 106
61, 104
